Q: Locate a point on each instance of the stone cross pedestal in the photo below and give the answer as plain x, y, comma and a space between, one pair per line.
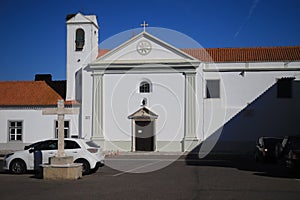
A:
61, 166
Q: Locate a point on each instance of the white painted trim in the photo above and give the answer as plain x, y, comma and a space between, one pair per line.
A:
133, 135
190, 109
183, 62
97, 124
251, 70
251, 66
145, 71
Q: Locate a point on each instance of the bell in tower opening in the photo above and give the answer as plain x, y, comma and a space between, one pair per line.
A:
79, 39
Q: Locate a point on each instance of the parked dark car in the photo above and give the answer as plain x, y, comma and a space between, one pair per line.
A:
290, 151
266, 148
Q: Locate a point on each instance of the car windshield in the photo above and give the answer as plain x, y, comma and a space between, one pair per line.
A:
92, 144
32, 145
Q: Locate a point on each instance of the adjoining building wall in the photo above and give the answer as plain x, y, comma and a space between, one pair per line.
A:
248, 107
35, 126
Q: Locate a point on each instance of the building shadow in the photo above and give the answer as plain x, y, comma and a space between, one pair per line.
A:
233, 145
245, 162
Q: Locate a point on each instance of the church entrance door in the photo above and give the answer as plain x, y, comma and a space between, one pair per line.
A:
143, 130
144, 136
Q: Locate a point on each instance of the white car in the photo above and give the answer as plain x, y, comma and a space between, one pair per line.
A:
83, 151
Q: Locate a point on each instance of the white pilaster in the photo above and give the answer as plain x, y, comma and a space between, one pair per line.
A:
133, 136
190, 138
98, 109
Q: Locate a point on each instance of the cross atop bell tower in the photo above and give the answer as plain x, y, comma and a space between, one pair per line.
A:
144, 25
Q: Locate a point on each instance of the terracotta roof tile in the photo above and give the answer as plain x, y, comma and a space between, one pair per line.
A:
101, 52
248, 54
27, 93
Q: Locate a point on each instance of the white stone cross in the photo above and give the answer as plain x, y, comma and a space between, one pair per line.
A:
60, 111
144, 25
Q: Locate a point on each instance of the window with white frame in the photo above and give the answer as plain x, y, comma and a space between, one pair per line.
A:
66, 129
212, 88
15, 129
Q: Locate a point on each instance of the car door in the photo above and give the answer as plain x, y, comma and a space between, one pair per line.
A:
48, 149
30, 154
72, 148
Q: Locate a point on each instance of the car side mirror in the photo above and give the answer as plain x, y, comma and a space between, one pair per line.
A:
31, 150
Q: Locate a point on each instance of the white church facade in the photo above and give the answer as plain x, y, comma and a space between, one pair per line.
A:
147, 95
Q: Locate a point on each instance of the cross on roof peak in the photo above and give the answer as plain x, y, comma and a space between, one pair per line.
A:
144, 25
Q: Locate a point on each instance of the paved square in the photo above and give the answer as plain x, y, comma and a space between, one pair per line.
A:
205, 179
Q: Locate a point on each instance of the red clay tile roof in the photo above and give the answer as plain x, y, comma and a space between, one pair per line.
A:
28, 93
101, 52
249, 54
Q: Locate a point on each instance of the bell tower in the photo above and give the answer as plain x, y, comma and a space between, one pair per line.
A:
82, 48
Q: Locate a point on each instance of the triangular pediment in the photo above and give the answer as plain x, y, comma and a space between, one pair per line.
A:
143, 113
145, 49
82, 19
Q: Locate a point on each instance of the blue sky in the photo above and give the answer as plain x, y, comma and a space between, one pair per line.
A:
33, 32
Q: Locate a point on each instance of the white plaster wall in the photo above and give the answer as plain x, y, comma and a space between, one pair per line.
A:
87, 55
86, 105
35, 126
122, 98
249, 106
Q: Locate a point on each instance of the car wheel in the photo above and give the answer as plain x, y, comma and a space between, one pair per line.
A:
86, 168
18, 167
95, 169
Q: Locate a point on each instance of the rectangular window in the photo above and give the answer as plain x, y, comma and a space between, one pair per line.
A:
15, 130
212, 88
66, 129
284, 88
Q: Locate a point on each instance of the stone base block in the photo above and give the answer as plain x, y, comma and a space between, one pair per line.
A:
67, 160
190, 143
62, 172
